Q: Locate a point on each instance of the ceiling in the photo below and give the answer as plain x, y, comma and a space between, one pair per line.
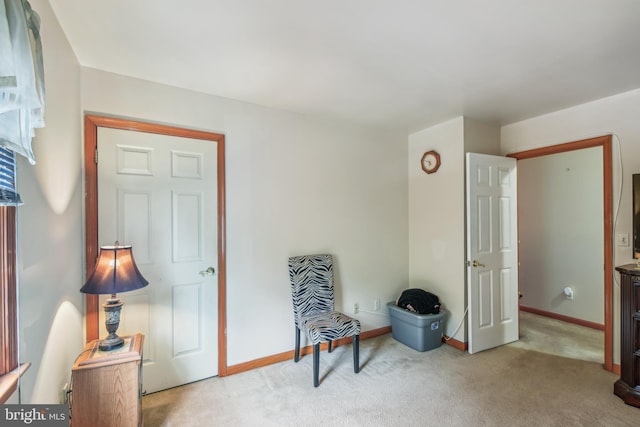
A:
402, 64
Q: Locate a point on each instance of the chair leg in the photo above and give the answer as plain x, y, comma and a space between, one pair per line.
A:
316, 364
330, 346
296, 352
356, 353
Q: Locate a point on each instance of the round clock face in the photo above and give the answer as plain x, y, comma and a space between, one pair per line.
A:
430, 161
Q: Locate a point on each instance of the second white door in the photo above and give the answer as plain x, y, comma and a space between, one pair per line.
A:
492, 251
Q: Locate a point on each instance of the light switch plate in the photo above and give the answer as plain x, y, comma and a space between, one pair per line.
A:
622, 239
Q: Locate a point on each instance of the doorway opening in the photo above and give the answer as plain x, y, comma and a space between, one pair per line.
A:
605, 143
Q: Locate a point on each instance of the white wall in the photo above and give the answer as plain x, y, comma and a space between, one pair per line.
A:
481, 138
50, 253
617, 115
436, 219
561, 236
295, 185
437, 213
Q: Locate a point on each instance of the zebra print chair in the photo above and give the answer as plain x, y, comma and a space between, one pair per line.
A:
313, 308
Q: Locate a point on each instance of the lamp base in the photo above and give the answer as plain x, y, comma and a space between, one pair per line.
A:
112, 309
110, 343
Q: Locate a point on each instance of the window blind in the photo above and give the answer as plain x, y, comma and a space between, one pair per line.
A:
8, 194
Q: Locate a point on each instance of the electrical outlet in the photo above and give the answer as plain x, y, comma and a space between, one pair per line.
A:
356, 308
376, 304
64, 394
568, 293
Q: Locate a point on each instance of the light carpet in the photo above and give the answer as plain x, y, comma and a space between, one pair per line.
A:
554, 336
398, 386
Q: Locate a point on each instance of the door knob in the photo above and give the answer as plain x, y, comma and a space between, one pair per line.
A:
477, 264
208, 272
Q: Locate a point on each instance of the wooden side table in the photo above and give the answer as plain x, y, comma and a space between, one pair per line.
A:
628, 386
106, 386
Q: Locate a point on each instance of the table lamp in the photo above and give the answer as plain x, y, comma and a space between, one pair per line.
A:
115, 272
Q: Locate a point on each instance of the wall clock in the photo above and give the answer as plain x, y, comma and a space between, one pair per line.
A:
430, 161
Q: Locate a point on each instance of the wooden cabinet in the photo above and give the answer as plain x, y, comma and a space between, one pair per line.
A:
628, 386
106, 386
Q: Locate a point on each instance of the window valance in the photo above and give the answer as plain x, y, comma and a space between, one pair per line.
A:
21, 76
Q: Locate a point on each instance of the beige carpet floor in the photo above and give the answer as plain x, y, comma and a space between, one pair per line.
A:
554, 336
398, 386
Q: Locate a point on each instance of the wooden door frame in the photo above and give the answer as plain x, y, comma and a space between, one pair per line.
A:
91, 124
607, 168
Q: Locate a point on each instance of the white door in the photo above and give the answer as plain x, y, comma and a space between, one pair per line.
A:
158, 194
492, 251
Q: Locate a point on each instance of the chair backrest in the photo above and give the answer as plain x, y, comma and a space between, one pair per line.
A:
311, 279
